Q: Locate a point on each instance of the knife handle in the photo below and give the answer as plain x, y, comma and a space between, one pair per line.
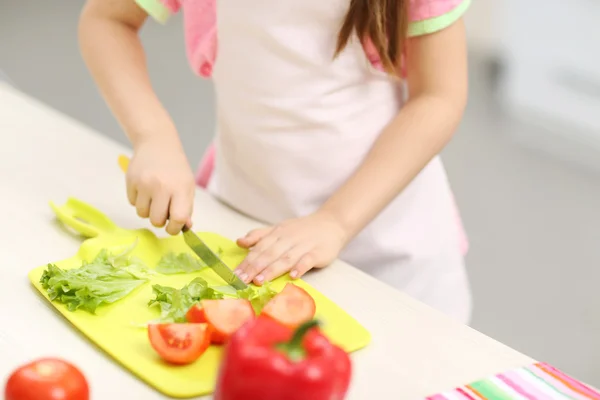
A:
123, 161
83, 218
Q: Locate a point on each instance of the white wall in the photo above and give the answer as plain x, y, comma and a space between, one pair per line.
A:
555, 59
552, 53
481, 22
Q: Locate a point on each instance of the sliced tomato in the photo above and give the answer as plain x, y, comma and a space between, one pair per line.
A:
292, 307
224, 316
47, 379
196, 315
179, 343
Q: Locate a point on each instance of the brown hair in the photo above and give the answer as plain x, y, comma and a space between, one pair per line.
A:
385, 22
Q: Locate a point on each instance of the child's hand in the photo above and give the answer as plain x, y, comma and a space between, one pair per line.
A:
295, 245
160, 184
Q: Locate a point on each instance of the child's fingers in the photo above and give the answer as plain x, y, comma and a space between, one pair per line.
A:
248, 268
253, 237
159, 209
142, 203
179, 212
132, 189
305, 264
277, 249
282, 265
131, 193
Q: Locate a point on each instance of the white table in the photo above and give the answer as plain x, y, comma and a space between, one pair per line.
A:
45, 156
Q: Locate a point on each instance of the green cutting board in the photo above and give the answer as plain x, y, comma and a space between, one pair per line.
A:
118, 328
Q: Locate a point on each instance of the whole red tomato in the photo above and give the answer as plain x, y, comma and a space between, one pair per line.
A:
47, 379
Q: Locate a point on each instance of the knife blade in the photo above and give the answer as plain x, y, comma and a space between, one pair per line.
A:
211, 259
200, 248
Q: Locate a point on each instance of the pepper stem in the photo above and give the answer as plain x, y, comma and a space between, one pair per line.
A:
294, 348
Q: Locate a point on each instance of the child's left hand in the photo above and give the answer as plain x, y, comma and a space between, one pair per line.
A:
296, 245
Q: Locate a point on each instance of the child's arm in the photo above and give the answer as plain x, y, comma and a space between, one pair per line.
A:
160, 183
437, 80
111, 48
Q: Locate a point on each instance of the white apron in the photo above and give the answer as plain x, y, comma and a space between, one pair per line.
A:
294, 124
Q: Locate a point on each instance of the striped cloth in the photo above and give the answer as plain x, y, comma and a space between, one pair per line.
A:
536, 382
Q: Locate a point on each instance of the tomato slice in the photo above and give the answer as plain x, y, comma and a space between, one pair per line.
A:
291, 307
47, 379
224, 316
179, 343
196, 315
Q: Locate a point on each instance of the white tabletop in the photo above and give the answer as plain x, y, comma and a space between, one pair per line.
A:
45, 156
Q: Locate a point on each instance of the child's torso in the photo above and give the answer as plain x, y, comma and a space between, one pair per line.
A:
294, 123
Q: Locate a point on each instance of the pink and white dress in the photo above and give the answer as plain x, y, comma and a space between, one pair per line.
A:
293, 124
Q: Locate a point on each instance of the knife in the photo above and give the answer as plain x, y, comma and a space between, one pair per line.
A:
201, 249
211, 259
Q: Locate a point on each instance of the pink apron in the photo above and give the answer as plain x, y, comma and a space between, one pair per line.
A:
426, 16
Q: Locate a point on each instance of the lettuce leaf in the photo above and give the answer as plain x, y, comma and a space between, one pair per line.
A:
226, 290
259, 296
173, 263
104, 280
175, 303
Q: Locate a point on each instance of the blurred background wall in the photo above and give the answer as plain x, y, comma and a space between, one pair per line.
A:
524, 164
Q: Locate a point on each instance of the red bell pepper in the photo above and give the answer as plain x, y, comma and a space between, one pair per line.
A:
265, 360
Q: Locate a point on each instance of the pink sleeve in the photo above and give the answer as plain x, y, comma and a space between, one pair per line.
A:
428, 16
172, 5
424, 16
425, 9
200, 27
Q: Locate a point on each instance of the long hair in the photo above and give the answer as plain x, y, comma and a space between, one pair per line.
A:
384, 22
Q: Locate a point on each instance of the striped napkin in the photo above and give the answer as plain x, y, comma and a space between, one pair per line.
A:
535, 382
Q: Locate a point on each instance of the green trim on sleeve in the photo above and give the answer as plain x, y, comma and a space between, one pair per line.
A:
435, 24
155, 9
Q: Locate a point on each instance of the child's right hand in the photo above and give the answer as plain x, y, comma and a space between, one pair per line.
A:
160, 183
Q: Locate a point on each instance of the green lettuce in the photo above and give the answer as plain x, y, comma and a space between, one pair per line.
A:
258, 296
226, 290
175, 303
104, 280
173, 263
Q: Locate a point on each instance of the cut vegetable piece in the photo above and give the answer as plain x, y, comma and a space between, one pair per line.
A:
292, 307
258, 296
195, 315
226, 290
179, 344
173, 263
174, 303
224, 316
